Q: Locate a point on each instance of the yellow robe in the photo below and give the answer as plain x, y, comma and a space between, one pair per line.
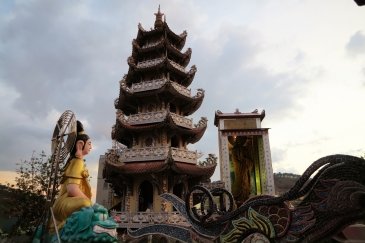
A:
64, 206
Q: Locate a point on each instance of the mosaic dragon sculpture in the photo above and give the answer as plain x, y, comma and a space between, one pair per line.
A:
89, 224
329, 196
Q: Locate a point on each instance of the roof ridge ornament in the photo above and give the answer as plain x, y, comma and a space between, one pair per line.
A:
159, 22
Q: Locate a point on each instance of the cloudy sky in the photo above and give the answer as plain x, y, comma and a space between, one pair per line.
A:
301, 61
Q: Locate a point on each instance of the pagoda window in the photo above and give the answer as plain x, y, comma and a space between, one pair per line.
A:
178, 190
174, 141
145, 197
173, 108
149, 142
150, 108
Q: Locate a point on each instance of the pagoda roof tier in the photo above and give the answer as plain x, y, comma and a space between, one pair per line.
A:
168, 91
178, 40
156, 64
155, 160
184, 58
126, 126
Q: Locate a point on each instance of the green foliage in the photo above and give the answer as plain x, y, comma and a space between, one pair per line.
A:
33, 174
28, 200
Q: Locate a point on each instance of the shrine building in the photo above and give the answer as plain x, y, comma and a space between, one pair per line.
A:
245, 157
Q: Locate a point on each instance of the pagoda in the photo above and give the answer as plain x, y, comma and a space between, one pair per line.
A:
152, 131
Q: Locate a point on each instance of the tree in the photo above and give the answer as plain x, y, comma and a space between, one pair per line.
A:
28, 203
33, 174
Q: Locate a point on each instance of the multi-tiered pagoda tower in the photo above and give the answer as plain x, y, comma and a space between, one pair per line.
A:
152, 129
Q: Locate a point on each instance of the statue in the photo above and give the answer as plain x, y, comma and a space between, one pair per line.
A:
243, 165
75, 190
73, 216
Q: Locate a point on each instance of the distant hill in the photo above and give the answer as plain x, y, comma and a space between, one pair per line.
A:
284, 181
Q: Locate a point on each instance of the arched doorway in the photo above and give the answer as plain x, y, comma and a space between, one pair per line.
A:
145, 197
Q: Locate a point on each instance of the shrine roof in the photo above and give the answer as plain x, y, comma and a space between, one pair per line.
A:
139, 168
238, 115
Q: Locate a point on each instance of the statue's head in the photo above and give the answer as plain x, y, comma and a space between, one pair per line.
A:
82, 144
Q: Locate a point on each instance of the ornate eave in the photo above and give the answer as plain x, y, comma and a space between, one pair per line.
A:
155, 160
158, 120
138, 167
179, 40
131, 96
142, 33
146, 48
194, 170
159, 44
184, 56
185, 78
157, 63
143, 168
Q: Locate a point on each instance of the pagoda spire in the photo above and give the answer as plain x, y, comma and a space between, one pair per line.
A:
158, 21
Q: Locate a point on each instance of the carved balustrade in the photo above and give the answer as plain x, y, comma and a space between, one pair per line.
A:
147, 117
148, 85
144, 154
184, 155
149, 63
142, 219
153, 117
149, 154
154, 84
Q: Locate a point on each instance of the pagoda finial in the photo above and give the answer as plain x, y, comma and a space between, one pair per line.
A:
158, 21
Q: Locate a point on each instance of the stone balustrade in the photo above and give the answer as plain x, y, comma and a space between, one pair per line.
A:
184, 155
146, 117
154, 84
144, 154
142, 219
153, 117
151, 153
149, 63
148, 85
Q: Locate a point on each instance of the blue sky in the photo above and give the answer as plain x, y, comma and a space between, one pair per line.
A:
301, 61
